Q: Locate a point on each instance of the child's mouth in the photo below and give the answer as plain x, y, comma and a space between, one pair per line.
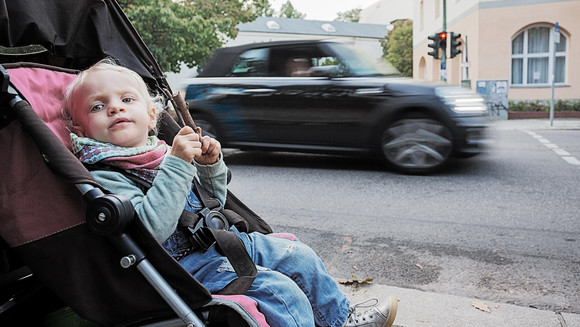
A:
119, 121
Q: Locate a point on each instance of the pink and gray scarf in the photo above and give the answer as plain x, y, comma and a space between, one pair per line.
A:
142, 161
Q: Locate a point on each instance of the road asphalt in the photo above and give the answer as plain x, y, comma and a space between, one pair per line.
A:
426, 309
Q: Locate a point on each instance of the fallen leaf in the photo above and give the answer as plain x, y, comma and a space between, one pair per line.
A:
497, 306
480, 306
355, 267
420, 266
355, 280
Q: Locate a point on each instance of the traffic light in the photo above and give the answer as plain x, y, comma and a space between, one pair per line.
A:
454, 43
443, 41
434, 45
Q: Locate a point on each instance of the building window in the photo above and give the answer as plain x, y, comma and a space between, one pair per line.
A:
437, 8
533, 57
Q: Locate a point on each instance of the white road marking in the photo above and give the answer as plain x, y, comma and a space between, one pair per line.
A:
565, 155
572, 160
561, 152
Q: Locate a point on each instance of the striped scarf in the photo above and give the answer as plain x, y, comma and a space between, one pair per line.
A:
142, 161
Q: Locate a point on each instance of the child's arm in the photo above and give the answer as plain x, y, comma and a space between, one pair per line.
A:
161, 208
207, 156
213, 178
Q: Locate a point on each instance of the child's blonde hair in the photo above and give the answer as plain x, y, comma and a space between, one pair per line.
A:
106, 64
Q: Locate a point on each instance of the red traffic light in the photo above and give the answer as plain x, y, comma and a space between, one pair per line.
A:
443, 36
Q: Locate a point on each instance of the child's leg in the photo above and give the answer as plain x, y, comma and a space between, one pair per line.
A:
279, 298
302, 264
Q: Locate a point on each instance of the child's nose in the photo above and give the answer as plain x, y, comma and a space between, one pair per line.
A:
116, 106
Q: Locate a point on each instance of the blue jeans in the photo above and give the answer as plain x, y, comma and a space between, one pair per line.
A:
292, 287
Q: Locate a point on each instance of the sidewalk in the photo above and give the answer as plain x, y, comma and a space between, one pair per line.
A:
562, 123
425, 309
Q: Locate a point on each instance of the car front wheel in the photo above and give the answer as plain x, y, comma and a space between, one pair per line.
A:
416, 145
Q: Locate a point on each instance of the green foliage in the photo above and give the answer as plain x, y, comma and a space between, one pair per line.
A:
186, 31
262, 8
352, 15
544, 105
288, 11
398, 47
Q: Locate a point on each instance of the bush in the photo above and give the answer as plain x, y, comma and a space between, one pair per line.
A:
544, 105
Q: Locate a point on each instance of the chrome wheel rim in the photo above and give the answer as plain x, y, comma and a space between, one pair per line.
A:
417, 144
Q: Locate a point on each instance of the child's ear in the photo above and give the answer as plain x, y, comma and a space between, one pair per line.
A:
78, 130
152, 118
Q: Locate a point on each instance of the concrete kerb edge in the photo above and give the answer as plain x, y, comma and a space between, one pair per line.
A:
422, 308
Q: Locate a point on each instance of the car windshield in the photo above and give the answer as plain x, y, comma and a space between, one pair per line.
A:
350, 63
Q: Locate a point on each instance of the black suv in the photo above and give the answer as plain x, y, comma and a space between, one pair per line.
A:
320, 96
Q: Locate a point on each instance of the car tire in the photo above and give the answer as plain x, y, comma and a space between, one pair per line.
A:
416, 145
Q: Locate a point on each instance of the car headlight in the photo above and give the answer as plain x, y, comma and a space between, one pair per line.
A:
461, 100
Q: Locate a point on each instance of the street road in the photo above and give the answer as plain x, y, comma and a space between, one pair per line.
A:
503, 226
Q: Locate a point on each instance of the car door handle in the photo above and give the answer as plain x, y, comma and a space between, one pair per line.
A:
369, 91
259, 91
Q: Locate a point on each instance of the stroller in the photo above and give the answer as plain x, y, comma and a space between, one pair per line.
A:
84, 256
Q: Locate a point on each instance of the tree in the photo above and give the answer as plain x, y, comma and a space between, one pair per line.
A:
262, 8
288, 11
352, 15
398, 46
186, 31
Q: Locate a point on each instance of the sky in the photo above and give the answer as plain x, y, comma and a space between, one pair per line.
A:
323, 9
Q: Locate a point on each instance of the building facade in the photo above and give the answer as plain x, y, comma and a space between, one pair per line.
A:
523, 42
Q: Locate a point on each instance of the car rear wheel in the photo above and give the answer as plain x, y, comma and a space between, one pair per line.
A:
416, 145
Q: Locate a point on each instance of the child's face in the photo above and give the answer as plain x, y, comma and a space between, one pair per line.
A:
109, 107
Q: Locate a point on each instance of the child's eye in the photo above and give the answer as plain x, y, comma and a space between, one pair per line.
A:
127, 100
97, 107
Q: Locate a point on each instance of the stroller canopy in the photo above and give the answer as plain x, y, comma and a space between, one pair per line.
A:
76, 33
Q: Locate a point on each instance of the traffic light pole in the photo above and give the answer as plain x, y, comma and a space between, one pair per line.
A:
443, 72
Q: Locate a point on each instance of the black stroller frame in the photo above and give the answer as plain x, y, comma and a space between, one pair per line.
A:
95, 29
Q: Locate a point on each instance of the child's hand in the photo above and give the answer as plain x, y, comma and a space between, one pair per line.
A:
186, 144
210, 150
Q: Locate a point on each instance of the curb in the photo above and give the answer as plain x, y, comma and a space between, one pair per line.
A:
425, 309
569, 123
542, 114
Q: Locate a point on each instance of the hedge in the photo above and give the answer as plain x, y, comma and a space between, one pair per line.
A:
544, 105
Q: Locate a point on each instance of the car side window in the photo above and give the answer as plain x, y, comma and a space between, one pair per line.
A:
251, 63
304, 61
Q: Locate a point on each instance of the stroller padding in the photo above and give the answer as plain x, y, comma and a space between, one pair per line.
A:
44, 90
249, 305
21, 194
